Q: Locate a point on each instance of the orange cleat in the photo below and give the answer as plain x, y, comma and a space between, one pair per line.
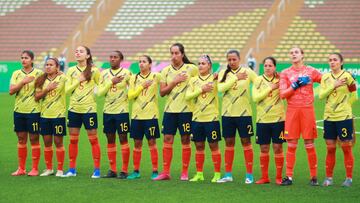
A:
19, 172
33, 172
263, 181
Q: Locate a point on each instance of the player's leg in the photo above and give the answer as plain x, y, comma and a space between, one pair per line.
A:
137, 151
199, 159
33, 122
246, 131
213, 135
90, 123
123, 125
74, 125
184, 126
228, 132
169, 131
22, 135
60, 154
48, 155
264, 164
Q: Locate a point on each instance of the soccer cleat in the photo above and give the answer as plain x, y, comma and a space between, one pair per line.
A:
134, 175
122, 175
217, 176
33, 172
199, 176
96, 173
162, 176
227, 178
314, 182
154, 174
328, 182
347, 182
47, 172
249, 178
263, 181
110, 174
70, 173
286, 181
59, 173
184, 176
19, 172
278, 181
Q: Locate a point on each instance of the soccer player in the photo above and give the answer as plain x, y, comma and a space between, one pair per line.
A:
339, 89
113, 85
80, 84
26, 112
270, 119
50, 91
205, 122
143, 90
177, 113
236, 112
296, 86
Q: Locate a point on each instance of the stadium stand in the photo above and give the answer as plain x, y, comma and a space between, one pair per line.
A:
25, 28
192, 17
323, 27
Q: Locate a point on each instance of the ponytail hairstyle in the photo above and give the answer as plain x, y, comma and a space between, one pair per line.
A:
148, 58
182, 50
39, 82
228, 68
31, 54
340, 57
89, 63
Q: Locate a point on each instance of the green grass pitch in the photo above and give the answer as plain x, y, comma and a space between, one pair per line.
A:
84, 189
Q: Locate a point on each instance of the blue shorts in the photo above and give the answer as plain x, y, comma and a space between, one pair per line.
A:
53, 126
342, 129
77, 119
174, 121
116, 122
26, 122
243, 124
149, 128
203, 130
267, 132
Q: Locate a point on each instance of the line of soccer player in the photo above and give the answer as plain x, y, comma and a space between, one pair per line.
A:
191, 107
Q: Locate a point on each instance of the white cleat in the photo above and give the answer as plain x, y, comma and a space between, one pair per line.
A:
59, 173
47, 172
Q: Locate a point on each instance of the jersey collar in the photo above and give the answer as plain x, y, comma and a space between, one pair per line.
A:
205, 78
28, 72
117, 72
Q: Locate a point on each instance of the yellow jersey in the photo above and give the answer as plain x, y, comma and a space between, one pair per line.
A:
82, 96
25, 97
116, 99
176, 102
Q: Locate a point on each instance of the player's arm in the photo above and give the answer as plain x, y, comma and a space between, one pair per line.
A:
41, 93
165, 88
227, 84
285, 90
259, 93
16, 87
134, 92
97, 76
325, 89
104, 86
71, 83
192, 92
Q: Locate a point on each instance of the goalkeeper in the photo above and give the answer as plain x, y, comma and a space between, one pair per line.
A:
296, 86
